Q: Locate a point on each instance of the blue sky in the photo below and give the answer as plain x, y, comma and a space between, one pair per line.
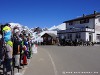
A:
44, 13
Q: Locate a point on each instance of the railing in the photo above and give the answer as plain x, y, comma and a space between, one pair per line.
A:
77, 30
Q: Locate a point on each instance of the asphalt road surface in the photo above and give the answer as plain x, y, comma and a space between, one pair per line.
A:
64, 60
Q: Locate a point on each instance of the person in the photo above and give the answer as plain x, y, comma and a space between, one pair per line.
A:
24, 58
8, 45
1, 51
26, 51
29, 48
16, 49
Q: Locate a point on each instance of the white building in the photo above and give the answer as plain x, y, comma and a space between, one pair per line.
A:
85, 28
53, 30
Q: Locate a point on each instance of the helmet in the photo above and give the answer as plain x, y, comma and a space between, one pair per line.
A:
6, 28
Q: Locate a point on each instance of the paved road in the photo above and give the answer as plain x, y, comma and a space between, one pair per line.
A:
64, 60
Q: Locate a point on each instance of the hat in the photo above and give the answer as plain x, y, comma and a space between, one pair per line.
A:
16, 30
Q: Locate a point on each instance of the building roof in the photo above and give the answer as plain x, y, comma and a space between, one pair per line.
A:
51, 34
84, 17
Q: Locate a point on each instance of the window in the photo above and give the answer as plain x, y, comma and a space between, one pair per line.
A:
84, 21
99, 19
90, 37
69, 36
70, 23
98, 37
78, 35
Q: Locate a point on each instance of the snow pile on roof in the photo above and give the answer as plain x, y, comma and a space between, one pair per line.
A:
42, 33
38, 38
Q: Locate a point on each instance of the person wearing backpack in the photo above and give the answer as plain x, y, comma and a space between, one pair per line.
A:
7, 45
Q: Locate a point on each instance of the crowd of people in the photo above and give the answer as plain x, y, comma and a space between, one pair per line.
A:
15, 47
76, 42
